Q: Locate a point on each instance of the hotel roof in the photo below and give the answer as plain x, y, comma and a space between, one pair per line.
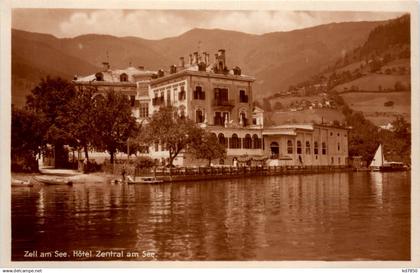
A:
113, 76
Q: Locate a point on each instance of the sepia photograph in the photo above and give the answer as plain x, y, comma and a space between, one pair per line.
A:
180, 134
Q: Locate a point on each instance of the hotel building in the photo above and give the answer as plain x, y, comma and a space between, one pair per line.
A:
220, 100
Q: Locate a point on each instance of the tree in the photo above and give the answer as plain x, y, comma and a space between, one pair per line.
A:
401, 128
50, 102
208, 147
171, 130
398, 86
114, 122
81, 118
267, 105
278, 106
28, 130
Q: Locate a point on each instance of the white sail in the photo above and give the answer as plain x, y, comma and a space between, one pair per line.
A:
378, 159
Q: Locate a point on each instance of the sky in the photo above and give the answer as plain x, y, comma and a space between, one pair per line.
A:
158, 24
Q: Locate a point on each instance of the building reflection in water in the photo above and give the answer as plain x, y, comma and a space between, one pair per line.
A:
336, 216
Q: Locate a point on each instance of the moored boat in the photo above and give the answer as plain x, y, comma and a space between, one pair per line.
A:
21, 183
50, 180
144, 180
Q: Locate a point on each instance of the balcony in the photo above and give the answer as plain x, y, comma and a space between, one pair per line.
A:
199, 95
223, 103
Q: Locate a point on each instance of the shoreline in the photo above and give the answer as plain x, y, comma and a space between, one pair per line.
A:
185, 174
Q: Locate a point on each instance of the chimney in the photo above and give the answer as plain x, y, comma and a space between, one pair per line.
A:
161, 73
172, 69
140, 67
206, 58
221, 59
181, 62
195, 58
106, 66
191, 59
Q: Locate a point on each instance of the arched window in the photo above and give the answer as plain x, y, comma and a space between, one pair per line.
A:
316, 147
324, 148
123, 77
290, 147
308, 148
247, 142
98, 99
242, 118
235, 142
299, 147
222, 139
99, 76
199, 117
256, 141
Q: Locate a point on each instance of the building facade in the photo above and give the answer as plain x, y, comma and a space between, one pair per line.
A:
220, 100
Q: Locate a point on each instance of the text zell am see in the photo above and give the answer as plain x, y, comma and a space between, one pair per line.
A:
101, 254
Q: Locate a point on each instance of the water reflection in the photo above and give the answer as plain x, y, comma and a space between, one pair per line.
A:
341, 216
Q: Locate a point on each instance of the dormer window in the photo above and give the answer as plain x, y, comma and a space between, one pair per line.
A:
99, 76
123, 77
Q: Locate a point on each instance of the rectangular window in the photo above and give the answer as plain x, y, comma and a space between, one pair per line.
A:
182, 94
243, 97
168, 97
144, 110
221, 96
289, 147
199, 93
132, 100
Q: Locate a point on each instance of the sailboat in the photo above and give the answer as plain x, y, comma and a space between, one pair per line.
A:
379, 164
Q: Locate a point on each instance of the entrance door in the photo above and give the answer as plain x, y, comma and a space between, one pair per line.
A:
274, 146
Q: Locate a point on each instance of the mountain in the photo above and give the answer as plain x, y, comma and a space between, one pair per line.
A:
276, 59
374, 78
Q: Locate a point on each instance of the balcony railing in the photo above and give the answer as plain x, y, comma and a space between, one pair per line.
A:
199, 95
227, 103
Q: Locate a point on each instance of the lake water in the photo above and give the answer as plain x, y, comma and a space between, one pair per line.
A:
338, 216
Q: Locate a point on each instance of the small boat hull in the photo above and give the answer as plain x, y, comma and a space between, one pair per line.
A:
53, 181
144, 180
393, 169
21, 183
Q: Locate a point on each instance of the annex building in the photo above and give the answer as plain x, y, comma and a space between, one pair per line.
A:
220, 100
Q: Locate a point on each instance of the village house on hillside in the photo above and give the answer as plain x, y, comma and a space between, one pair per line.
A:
220, 100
